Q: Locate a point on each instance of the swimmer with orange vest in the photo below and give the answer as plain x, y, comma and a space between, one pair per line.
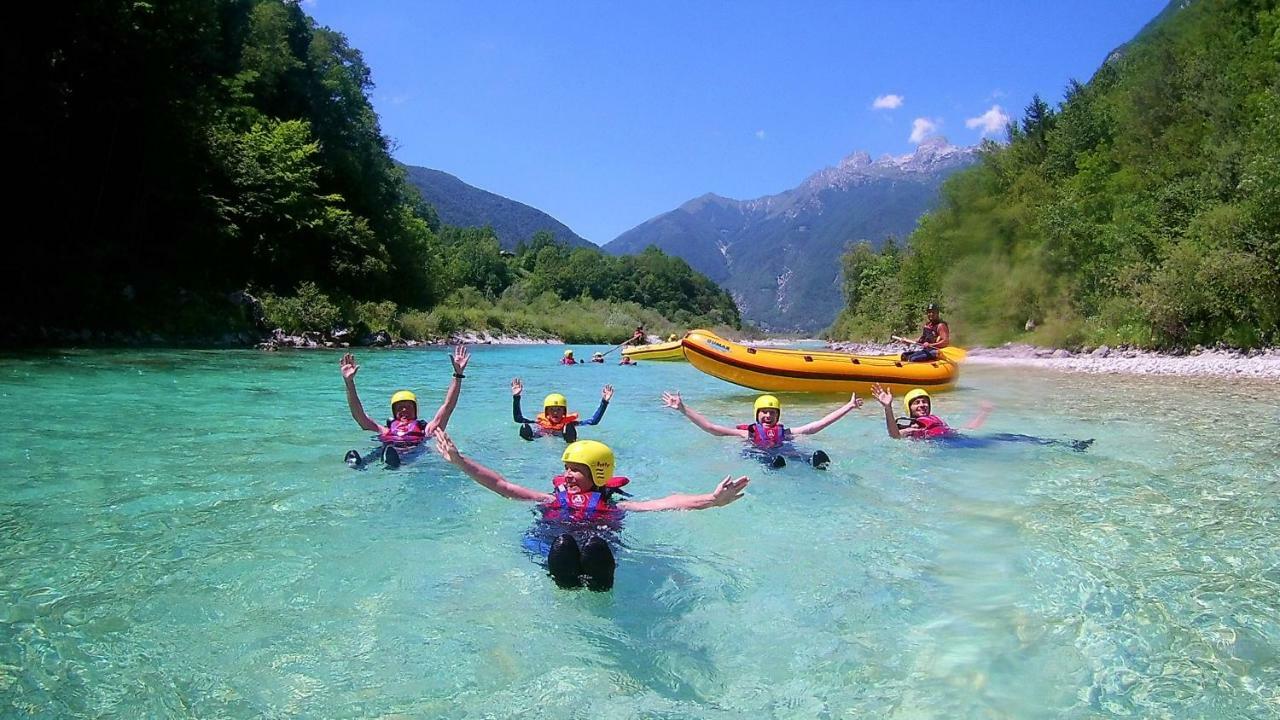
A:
555, 418
580, 519
404, 429
921, 424
769, 438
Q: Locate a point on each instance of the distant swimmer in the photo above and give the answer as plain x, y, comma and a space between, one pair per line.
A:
555, 418
921, 424
404, 430
935, 334
597, 357
568, 358
580, 519
768, 437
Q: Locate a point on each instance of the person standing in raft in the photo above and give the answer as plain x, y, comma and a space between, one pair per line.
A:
935, 334
580, 518
555, 418
639, 337
922, 424
404, 430
568, 358
767, 435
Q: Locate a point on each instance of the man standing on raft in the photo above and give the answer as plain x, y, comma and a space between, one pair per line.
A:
766, 433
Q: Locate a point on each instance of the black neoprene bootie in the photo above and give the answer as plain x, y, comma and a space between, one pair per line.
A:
598, 565
820, 460
391, 457
778, 462
564, 562
353, 459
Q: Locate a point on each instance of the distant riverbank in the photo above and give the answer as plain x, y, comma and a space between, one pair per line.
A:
1199, 362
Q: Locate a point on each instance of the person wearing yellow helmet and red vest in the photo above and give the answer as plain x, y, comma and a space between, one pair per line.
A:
555, 418
568, 358
767, 434
580, 518
404, 430
921, 424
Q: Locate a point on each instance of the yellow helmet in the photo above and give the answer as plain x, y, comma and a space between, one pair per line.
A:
402, 396
568, 353
595, 455
555, 400
672, 337
767, 402
912, 395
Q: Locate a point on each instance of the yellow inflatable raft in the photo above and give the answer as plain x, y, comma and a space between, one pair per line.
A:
657, 351
812, 371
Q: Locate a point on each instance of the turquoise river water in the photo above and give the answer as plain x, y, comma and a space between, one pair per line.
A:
180, 538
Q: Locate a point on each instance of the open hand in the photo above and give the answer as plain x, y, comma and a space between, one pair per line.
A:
672, 400
728, 490
349, 366
517, 387
881, 393
607, 393
446, 448
460, 358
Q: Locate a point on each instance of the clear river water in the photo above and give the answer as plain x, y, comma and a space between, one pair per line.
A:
179, 537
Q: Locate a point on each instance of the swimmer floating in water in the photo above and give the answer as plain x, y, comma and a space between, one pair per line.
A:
404, 430
922, 424
555, 418
767, 434
581, 513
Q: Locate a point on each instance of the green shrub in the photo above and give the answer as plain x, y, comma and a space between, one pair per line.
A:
307, 310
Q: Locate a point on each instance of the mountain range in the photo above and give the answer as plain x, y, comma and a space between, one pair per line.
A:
779, 255
463, 205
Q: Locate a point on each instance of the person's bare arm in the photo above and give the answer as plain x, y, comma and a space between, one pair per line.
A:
459, 359
984, 411
726, 492
349, 370
816, 425
673, 401
944, 337
885, 398
484, 476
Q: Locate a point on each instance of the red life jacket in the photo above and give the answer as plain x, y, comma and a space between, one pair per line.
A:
568, 361
933, 426
573, 505
765, 437
405, 431
550, 425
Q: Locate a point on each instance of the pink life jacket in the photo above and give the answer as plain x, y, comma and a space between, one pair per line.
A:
573, 505
410, 432
765, 437
933, 426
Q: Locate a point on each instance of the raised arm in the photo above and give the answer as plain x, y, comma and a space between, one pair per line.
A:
483, 475
885, 398
517, 387
349, 370
460, 358
726, 492
816, 425
984, 411
673, 401
606, 394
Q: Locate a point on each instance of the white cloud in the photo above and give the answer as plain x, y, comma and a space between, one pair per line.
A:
759, 134
887, 102
922, 128
991, 121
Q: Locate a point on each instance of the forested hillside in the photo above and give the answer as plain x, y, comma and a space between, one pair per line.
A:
1143, 209
170, 154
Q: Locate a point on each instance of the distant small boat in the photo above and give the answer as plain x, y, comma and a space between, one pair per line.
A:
658, 351
811, 371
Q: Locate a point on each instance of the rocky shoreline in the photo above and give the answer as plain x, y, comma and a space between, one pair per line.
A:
1198, 362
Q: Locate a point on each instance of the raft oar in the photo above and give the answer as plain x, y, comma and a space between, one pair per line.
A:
950, 354
624, 343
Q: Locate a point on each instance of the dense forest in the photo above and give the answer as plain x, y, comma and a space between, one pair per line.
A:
170, 154
1144, 209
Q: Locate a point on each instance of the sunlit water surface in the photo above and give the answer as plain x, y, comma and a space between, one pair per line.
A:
180, 538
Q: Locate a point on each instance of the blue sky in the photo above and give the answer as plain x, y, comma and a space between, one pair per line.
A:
607, 114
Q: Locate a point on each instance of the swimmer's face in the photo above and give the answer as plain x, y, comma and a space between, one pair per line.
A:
405, 410
556, 413
767, 416
579, 476
919, 406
